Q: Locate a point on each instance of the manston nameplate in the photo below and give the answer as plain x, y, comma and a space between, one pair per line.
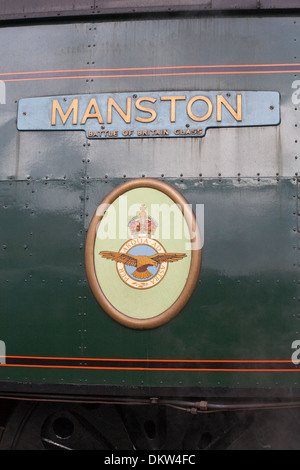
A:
149, 114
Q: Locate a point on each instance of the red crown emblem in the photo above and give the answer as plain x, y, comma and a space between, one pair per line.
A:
142, 225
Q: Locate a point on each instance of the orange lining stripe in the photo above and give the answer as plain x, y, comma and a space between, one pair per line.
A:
153, 74
186, 369
148, 75
148, 369
152, 68
145, 360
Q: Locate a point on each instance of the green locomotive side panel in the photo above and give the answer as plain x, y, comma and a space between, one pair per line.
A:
244, 307
238, 329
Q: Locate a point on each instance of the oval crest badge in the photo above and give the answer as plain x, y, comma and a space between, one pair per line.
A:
143, 253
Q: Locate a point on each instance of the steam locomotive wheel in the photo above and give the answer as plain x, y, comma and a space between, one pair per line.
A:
53, 426
77, 426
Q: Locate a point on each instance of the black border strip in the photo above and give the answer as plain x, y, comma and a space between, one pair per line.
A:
27, 9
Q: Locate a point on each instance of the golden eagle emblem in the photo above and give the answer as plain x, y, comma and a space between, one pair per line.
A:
142, 262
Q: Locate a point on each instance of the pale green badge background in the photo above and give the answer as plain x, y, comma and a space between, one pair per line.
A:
140, 303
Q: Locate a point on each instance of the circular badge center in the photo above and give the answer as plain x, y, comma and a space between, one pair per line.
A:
146, 271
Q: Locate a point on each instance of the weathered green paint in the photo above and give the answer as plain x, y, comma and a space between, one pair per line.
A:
246, 304
244, 307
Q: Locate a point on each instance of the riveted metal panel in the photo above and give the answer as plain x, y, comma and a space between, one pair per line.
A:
92, 50
20, 9
245, 305
41, 287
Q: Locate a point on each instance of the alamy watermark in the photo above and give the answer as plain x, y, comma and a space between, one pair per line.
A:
2, 352
159, 221
296, 93
295, 356
2, 92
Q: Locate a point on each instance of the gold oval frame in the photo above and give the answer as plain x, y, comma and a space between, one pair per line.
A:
196, 254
